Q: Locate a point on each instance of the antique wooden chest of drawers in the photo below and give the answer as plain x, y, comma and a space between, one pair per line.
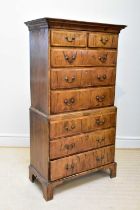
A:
72, 114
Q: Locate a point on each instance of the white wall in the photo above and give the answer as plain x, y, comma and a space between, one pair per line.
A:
14, 62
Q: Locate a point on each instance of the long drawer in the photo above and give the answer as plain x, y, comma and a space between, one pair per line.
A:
80, 99
81, 162
68, 125
76, 57
83, 77
80, 143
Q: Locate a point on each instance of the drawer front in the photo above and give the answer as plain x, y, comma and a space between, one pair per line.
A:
72, 100
80, 143
69, 127
81, 162
72, 78
68, 38
98, 122
77, 57
103, 40
65, 128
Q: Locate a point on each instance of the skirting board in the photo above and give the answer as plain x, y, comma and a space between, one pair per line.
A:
16, 140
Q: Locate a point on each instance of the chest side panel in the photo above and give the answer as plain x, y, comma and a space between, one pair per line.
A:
39, 69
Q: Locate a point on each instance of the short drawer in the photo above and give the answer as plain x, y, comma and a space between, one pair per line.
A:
68, 38
77, 57
103, 40
59, 128
87, 77
81, 162
96, 120
80, 143
72, 100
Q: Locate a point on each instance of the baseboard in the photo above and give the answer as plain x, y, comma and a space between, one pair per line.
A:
16, 140
128, 142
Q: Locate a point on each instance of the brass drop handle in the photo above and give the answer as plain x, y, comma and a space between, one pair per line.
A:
100, 122
72, 127
100, 158
69, 146
69, 102
103, 58
70, 39
69, 128
100, 140
104, 40
101, 77
69, 166
70, 59
70, 80
100, 98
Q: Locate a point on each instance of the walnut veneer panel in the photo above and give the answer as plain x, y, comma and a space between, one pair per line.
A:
81, 162
68, 38
72, 100
78, 124
78, 57
103, 40
80, 143
82, 77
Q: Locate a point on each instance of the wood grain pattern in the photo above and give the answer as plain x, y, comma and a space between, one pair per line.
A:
68, 38
39, 70
80, 143
78, 57
96, 122
39, 143
81, 162
82, 77
72, 100
75, 125
104, 40
79, 114
72, 24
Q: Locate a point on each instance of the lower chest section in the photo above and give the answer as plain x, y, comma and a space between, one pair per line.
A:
80, 143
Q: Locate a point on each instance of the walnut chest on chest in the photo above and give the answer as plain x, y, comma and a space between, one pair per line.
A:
72, 113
